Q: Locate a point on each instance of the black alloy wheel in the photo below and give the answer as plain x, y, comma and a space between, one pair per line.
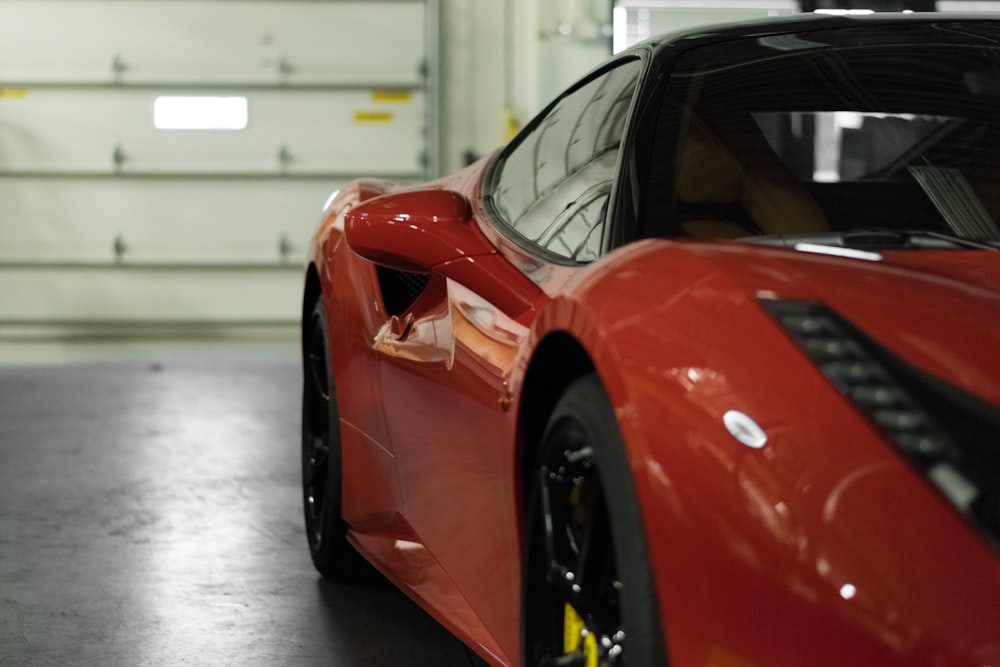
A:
322, 483
588, 597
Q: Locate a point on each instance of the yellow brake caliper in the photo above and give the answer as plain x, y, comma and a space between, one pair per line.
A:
574, 638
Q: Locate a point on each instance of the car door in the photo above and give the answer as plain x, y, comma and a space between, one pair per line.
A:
445, 363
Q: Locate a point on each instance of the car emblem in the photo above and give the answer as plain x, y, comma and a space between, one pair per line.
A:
744, 429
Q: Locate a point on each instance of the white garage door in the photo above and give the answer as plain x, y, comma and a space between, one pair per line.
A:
115, 211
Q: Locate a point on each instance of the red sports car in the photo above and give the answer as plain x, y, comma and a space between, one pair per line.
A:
703, 368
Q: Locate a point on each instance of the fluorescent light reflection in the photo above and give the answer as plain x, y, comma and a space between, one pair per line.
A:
619, 29
837, 251
330, 199
200, 113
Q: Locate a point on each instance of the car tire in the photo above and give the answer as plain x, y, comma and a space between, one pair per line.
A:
322, 483
583, 520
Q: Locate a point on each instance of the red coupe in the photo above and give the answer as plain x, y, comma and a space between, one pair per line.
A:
703, 368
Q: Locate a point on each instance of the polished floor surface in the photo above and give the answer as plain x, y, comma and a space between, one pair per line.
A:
150, 515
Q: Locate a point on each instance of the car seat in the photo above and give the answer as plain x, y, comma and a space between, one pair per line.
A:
730, 184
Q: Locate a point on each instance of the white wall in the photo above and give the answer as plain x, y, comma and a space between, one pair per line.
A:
503, 60
506, 59
473, 71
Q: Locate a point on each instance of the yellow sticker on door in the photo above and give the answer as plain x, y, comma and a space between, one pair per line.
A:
373, 117
13, 93
392, 96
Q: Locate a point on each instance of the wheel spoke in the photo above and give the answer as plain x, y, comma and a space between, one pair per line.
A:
317, 466
317, 376
586, 539
559, 552
548, 530
596, 572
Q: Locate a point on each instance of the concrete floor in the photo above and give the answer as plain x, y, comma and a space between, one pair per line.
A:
150, 514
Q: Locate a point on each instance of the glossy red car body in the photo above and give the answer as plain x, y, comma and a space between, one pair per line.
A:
822, 547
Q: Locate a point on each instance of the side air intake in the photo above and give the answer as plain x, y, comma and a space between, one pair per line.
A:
951, 437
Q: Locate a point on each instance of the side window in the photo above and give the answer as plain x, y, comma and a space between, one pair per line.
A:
554, 186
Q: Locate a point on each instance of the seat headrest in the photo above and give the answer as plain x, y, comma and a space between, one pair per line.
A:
739, 167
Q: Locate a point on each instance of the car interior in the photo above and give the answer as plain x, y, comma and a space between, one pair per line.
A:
839, 147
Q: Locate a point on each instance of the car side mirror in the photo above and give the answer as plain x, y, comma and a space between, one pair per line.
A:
425, 230
414, 231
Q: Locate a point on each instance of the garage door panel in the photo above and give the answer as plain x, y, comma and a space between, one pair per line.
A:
160, 221
106, 217
87, 297
292, 42
301, 131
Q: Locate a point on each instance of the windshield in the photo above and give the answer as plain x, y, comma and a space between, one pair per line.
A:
885, 144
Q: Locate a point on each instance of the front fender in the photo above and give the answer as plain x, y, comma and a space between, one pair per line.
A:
808, 533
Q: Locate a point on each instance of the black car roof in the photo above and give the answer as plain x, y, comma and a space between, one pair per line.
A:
883, 23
